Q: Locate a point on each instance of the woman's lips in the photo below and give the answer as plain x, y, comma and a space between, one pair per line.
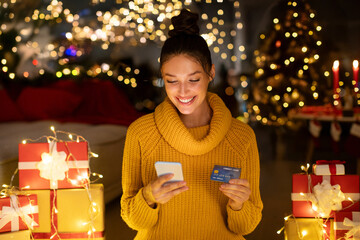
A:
186, 101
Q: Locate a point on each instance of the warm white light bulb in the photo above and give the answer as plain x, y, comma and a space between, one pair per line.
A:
355, 63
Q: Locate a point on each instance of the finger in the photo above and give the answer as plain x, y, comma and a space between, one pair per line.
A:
243, 182
240, 188
162, 179
169, 195
240, 194
168, 187
235, 197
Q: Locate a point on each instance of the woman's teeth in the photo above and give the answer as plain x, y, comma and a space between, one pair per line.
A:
186, 100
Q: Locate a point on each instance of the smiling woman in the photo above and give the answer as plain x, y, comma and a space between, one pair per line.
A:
186, 85
194, 128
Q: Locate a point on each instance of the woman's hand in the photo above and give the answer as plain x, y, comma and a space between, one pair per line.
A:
159, 191
238, 191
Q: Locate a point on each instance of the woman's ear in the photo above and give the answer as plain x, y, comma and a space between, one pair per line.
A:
212, 72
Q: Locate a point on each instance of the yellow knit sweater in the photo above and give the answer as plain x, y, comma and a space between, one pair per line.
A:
201, 212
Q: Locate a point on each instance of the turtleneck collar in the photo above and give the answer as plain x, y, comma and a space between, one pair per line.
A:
178, 136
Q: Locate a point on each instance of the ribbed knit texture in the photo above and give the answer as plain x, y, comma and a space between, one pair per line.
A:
202, 211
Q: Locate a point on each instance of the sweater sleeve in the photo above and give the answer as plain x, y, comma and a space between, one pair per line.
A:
134, 209
245, 220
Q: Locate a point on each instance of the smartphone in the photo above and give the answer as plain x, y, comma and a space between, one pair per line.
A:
163, 168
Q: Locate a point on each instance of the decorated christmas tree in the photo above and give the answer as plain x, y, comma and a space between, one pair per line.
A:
289, 65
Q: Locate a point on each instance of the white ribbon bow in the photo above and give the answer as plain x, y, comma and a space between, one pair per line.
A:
355, 228
53, 165
326, 198
12, 214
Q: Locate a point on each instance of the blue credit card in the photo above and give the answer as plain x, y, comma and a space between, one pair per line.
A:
224, 174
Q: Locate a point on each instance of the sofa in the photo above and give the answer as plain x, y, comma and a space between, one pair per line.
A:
95, 109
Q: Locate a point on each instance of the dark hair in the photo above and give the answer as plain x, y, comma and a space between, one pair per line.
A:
185, 39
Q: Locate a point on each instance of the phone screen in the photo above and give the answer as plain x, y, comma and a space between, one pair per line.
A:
163, 168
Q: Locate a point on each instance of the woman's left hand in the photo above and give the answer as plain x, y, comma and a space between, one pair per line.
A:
238, 191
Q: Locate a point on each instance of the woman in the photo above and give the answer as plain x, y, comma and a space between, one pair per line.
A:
193, 127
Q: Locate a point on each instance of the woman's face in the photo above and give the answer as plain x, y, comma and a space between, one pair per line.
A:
186, 83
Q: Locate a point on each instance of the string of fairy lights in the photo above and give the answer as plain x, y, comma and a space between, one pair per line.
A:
131, 23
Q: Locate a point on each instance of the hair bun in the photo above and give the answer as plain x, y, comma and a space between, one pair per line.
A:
185, 23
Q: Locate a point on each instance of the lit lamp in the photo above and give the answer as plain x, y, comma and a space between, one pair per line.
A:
335, 70
356, 74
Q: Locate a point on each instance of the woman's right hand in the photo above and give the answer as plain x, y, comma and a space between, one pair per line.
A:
159, 192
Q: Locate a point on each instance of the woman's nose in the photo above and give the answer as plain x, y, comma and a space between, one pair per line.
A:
183, 89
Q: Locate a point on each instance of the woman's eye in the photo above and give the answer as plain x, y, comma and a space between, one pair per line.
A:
195, 80
171, 81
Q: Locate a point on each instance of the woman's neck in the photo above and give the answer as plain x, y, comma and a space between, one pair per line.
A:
199, 118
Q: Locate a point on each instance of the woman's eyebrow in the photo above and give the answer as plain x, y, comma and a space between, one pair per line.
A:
171, 75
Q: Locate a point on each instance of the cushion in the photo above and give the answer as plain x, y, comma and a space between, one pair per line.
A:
8, 108
103, 102
47, 103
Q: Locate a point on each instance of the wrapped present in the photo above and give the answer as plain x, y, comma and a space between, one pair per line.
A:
347, 225
53, 165
324, 167
18, 212
20, 235
70, 214
309, 229
320, 196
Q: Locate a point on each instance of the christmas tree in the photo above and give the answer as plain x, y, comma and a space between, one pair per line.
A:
289, 66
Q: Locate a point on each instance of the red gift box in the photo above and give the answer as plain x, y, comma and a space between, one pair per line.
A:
325, 167
302, 206
343, 226
53, 165
18, 212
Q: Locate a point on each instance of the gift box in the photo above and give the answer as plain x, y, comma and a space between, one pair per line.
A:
347, 223
53, 165
18, 212
69, 213
309, 229
302, 193
20, 235
324, 167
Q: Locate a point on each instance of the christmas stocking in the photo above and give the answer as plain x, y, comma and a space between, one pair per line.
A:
335, 132
315, 129
353, 141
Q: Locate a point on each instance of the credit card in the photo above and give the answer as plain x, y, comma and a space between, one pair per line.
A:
224, 174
